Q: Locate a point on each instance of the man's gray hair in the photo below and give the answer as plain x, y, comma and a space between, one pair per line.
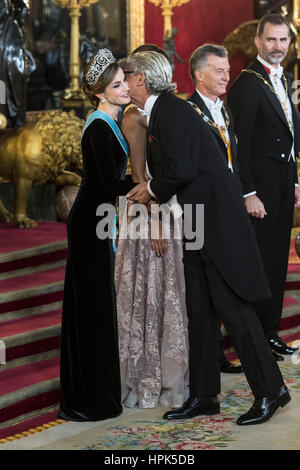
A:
155, 67
199, 57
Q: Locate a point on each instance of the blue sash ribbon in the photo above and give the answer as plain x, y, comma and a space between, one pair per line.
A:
122, 141
113, 125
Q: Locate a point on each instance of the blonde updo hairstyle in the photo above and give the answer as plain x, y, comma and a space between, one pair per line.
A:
99, 86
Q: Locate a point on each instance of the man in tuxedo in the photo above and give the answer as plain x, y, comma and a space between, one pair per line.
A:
210, 72
226, 274
267, 126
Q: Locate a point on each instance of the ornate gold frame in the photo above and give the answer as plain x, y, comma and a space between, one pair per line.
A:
296, 21
135, 24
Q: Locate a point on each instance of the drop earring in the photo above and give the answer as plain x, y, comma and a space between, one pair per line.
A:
103, 100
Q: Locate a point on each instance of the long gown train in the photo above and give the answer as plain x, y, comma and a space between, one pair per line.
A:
152, 323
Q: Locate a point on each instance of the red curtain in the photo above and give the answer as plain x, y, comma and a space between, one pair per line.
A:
198, 22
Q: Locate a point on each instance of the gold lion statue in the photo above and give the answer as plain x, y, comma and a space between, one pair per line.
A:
45, 150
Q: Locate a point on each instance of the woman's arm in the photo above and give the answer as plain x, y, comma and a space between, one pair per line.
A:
103, 154
135, 130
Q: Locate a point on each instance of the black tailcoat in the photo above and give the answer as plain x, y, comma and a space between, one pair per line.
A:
198, 101
184, 159
264, 147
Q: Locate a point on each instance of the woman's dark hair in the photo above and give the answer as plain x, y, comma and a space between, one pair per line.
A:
149, 48
99, 86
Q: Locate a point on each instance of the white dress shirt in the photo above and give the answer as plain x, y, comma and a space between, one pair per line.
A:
275, 77
147, 111
215, 109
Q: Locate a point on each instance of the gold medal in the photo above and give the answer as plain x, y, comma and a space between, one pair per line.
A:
222, 130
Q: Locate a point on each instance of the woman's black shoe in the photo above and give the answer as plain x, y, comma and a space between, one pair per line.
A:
277, 357
229, 368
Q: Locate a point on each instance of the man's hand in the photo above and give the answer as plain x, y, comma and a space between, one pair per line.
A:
297, 197
255, 207
139, 193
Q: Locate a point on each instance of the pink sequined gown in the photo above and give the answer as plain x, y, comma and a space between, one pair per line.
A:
152, 323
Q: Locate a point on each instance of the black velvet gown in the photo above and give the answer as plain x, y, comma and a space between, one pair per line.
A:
90, 376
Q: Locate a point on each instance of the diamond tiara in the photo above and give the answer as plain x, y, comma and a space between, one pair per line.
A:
101, 61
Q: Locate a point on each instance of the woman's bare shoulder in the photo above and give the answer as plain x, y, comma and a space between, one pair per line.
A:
134, 117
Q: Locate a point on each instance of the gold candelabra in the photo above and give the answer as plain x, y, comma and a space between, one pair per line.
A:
167, 12
296, 12
74, 92
135, 23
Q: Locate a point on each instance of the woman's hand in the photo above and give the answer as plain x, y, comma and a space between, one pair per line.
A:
158, 243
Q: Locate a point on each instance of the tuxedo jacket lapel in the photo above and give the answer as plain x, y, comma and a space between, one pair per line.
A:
258, 67
150, 126
233, 142
153, 112
196, 98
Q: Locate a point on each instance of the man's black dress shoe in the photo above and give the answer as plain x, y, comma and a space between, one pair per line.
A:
280, 347
277, 357
264, 408
195, 406
230, 368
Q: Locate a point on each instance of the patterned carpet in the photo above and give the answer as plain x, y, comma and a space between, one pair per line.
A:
29, 381
145, 429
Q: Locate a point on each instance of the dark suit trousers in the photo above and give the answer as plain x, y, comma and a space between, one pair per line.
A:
209, 296
273, 235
